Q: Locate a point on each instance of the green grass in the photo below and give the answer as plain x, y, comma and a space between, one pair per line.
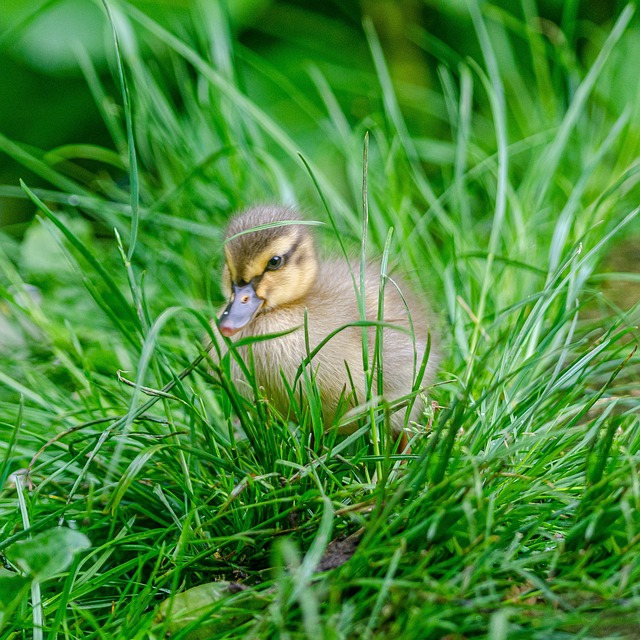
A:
516, 515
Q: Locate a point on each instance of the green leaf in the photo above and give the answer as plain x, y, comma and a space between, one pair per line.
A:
48, 553
195, 608
42, 255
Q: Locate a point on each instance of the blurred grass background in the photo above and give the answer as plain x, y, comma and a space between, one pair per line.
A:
504, 146
47, 102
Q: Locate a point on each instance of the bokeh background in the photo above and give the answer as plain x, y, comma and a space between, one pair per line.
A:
47, 103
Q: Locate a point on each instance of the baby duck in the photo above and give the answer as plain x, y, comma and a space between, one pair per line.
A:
273, 274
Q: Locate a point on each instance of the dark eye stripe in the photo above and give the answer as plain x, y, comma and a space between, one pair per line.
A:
294, 248
284, 258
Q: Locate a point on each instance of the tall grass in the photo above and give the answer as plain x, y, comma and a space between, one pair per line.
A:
516, 515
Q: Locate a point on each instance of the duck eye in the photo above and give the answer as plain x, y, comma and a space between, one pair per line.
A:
274, 263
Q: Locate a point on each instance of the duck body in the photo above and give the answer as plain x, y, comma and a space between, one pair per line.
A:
324, 290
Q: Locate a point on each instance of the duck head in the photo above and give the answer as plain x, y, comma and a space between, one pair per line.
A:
270, 262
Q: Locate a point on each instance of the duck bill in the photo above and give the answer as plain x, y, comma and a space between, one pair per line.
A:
242, 309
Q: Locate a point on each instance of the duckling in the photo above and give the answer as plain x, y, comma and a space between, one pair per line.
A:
273, 275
